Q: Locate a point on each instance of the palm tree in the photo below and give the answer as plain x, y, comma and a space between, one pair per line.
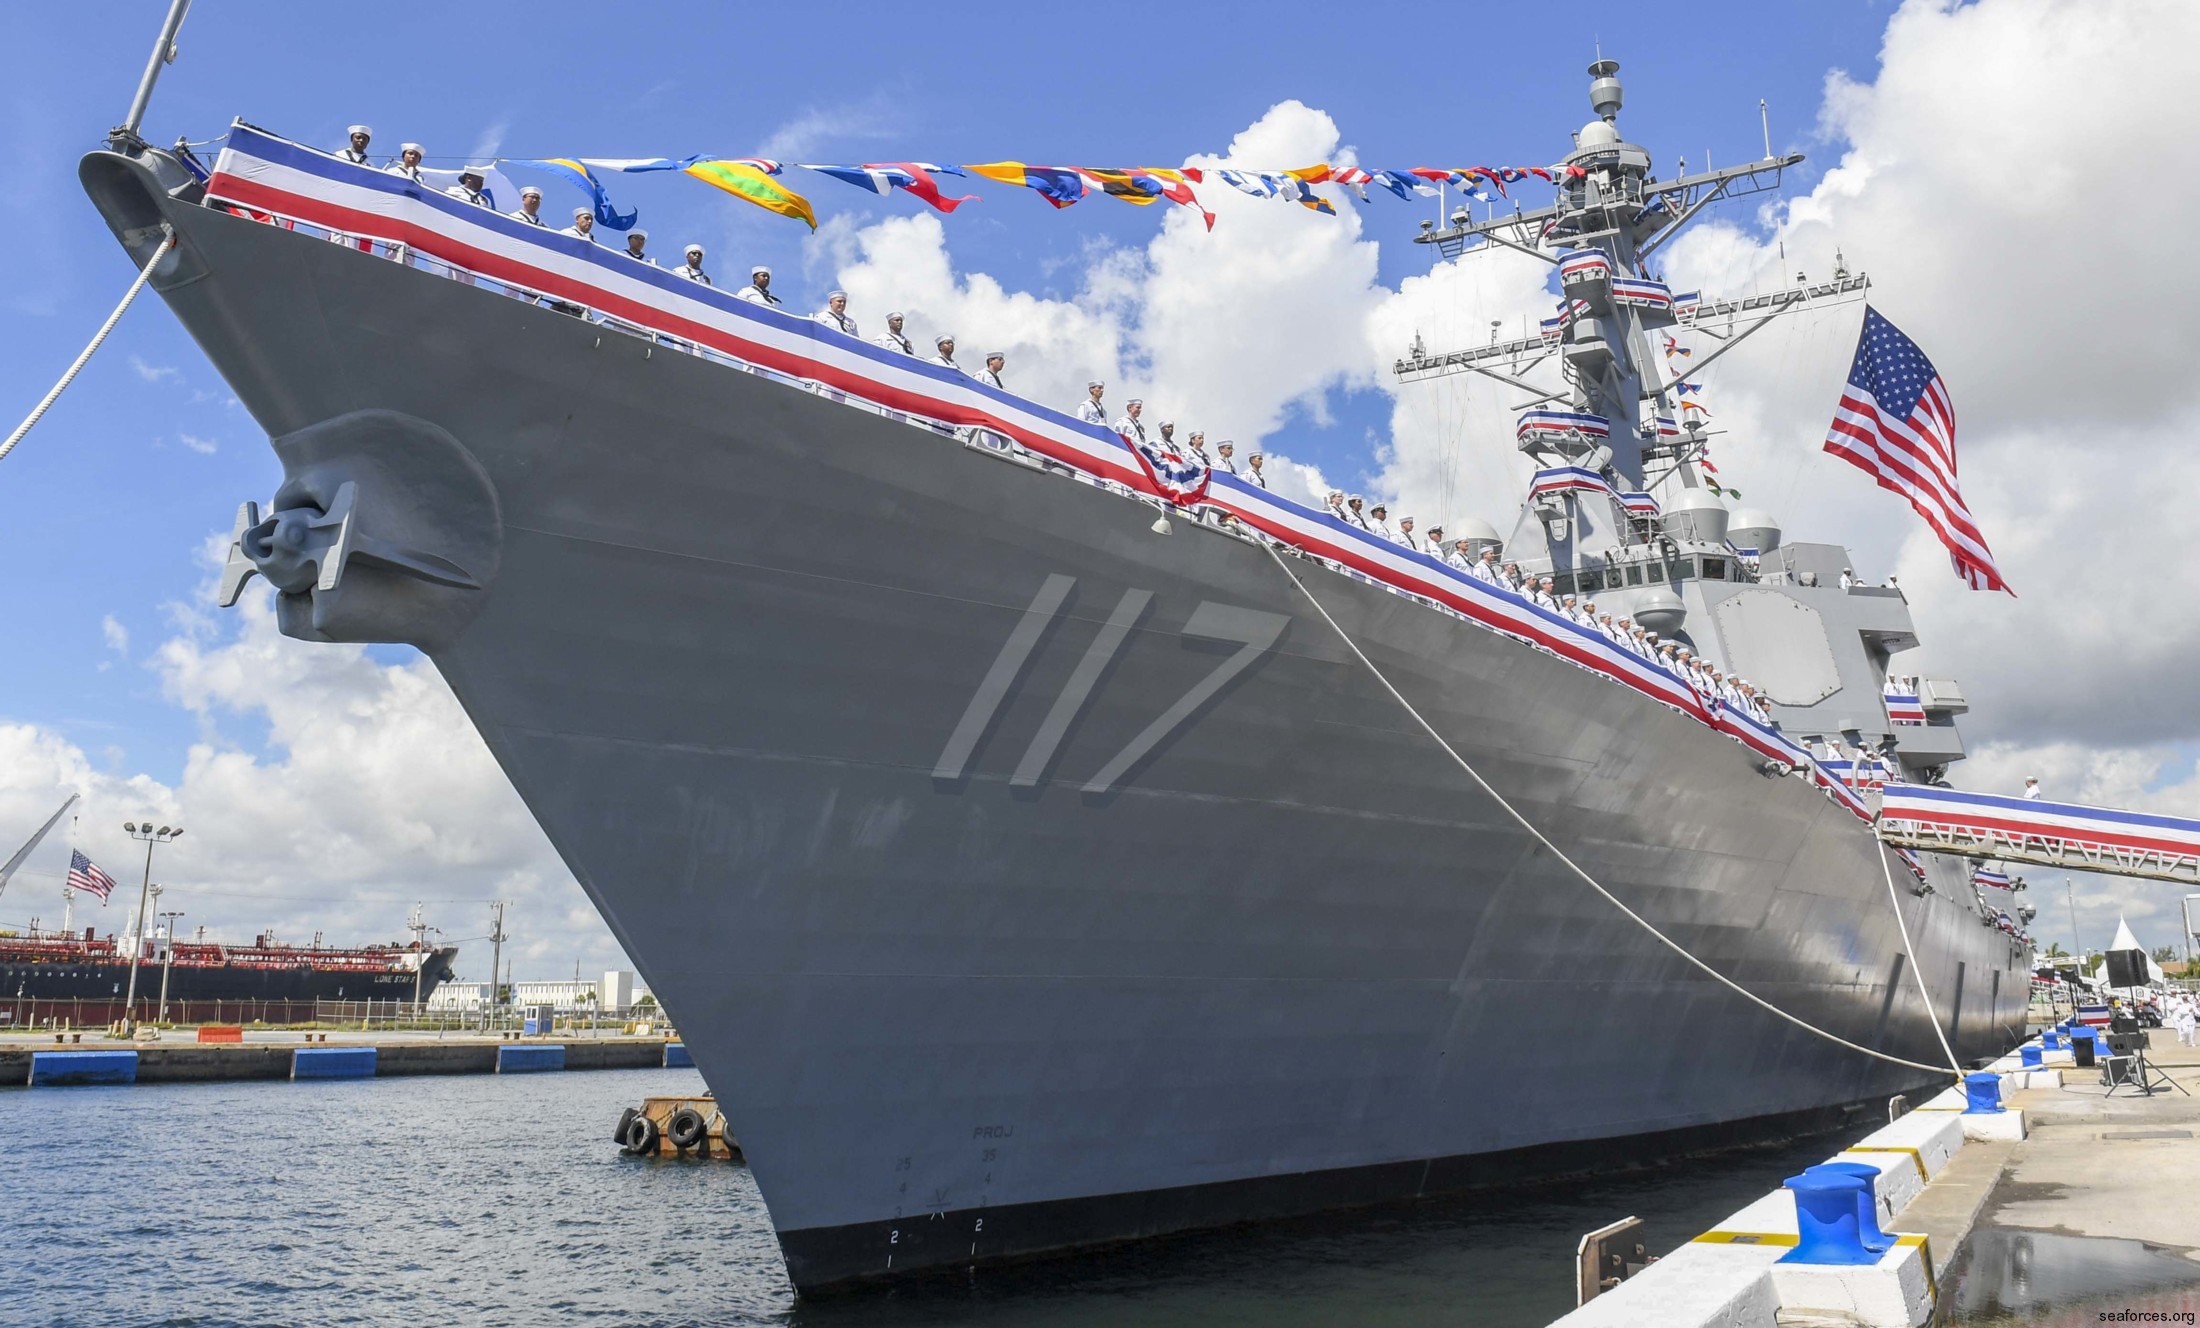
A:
2055, 951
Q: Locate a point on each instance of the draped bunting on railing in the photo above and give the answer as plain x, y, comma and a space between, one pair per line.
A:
1584, 265
2050, 833
1567, 479
267, 175
1558, 423
1904, 708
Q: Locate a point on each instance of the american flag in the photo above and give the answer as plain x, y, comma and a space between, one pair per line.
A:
1896, 424
84, 876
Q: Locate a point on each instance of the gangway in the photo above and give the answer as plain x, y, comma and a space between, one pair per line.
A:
2041, 833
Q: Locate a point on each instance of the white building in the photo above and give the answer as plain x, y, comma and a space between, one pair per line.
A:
615, 992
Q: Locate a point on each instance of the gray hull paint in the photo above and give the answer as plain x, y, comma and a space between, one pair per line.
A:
733, 630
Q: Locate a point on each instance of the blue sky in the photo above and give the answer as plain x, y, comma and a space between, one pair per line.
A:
103, 509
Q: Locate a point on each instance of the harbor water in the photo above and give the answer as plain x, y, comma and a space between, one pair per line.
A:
501, 1200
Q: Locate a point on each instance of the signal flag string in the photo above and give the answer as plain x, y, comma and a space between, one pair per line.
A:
1614, 900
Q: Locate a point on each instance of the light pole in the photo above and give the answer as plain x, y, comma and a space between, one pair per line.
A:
168, 959
2077, 951
151, 837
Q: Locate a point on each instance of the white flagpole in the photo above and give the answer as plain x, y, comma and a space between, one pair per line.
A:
68, 893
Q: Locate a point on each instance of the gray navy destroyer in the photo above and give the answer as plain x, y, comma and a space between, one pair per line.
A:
1025, 878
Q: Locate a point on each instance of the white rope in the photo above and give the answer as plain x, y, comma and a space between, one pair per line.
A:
168, 240
1589, 880
1917, 974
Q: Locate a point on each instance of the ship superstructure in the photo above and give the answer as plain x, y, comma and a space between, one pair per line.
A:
1035, 873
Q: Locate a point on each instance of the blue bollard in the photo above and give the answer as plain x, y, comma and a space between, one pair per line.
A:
1826, 1208
1867, 1203
1984, 1091
2031, 1055
2052, 1039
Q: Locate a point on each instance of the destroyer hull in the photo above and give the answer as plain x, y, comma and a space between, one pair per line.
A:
1022, 878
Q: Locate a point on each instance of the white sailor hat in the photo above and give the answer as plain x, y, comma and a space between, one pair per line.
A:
527, 190
1262, 456
944, 339
580, 212
831, 296
1380, 507
1095, 383
996, 355
359, 129
694, 249
403, 148
760, 271
1168, 424
1135, 401
636, 233
1353, 499
478, 172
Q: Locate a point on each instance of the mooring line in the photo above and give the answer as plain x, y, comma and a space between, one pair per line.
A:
1608, 896
168, 241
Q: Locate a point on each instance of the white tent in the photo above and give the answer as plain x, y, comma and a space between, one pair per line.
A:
2126, 941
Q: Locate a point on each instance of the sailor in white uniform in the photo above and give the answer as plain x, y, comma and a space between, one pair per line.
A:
945, 345
1092, 410
1168, 435
1226, 455
1254, 474
835, 314
637, 240
1378, 520
1130, 426
759, 289
584, 225
1486, 566
1405, 534
360, 136
469, 186
407, 163
693, 268
530, 207
990, 375
893, 338
1336, 502
2032, 788
1197, 441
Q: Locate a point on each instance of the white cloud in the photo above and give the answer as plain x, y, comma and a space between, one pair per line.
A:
202, 446
368, 790
115, 635
154, 373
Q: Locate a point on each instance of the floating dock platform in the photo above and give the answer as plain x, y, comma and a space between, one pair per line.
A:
48, 1062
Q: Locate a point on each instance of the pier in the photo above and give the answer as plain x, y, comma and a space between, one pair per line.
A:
69, 1060
2076, 1197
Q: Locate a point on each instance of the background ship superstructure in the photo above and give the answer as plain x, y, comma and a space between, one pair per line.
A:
1022, 877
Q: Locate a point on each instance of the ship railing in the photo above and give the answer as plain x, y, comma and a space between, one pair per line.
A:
979, 439
657, 337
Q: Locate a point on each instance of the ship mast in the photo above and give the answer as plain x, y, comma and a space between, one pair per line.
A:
1611, 205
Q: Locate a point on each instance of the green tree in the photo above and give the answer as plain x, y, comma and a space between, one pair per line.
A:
2164, 954
2055, 951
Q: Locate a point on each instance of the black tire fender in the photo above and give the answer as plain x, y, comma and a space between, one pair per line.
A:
641, 1136
687, 1129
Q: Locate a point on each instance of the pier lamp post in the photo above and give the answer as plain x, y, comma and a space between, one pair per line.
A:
151, 836
168, 959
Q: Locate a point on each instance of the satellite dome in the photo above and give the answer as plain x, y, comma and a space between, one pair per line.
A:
1661, 611
1752, 530
1477, 530
1695, 514
1597, 134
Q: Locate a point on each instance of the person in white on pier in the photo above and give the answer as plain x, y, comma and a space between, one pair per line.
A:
1092, 410
693, 268
530, 207
835, 314
584, 225
360, 136
759, 289
408, 162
